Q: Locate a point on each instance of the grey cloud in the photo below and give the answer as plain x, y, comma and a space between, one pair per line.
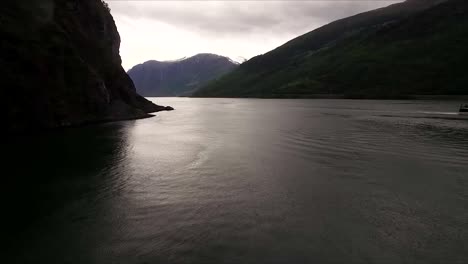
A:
243, 17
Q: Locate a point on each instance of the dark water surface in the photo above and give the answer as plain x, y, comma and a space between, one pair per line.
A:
246, 181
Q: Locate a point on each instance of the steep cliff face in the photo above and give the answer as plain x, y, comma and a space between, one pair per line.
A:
60, 66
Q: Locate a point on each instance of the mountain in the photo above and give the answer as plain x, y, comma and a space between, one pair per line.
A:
412, 48
174, 78
60, 66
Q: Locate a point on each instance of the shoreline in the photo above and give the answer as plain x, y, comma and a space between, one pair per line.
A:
441, 97
104, 120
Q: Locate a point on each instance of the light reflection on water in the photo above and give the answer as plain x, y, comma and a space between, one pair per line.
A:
251, 181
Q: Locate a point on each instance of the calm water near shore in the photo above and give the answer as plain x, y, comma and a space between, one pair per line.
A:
246, 181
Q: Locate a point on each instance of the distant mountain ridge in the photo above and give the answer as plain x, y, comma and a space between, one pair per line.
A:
179, 77
414, 47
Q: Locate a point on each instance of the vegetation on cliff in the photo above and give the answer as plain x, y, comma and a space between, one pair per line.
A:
415, 47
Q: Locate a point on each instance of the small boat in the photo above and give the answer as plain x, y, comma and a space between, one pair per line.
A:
464, 108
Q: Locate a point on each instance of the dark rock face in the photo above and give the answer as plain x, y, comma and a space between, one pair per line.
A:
60, 66
182, 77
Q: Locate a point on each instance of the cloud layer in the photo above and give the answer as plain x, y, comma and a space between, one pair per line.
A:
173, 29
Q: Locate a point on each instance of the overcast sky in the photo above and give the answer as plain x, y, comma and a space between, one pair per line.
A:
168, 30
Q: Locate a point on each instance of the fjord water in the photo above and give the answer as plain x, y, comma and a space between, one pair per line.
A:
248, 181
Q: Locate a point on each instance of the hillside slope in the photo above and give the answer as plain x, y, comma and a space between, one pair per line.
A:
416, 47
60, 66
173, 78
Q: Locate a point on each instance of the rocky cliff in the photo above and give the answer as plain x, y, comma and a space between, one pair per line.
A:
60, 66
